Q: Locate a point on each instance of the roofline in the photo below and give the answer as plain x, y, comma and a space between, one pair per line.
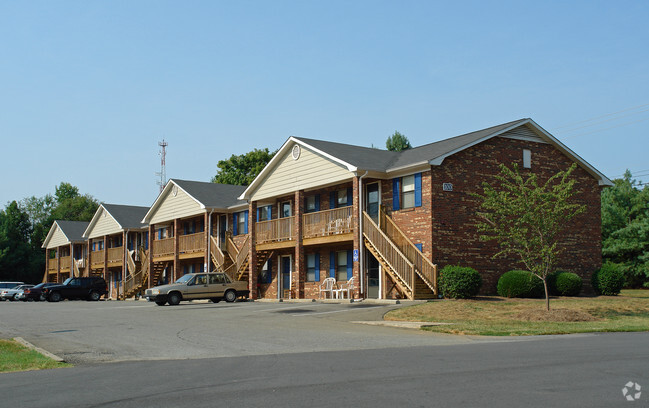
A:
246, 194
157, 201
95, 219
603, 180
51, 232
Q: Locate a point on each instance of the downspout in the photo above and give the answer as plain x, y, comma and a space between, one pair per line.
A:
209, 241
361, 250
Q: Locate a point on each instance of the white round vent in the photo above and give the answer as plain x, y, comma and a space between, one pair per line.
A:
296, 152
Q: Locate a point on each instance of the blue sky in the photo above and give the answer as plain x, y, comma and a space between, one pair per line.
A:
88, 88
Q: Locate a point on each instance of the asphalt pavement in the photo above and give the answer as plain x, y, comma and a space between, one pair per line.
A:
301, 355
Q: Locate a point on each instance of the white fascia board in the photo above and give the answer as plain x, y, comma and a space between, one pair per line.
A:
439, 159
159, 200
603, 180
407, 170
280, 153
408, 167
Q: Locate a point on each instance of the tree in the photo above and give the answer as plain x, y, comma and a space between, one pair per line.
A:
527, 218
242, 169
397, 142
625, 229
15, 230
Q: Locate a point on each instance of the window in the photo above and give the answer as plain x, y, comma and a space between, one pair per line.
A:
313, 268
341, 198
240, 225
285, 209
406, 192
312, 203
266, 273
527, 159
341, 265
264, 213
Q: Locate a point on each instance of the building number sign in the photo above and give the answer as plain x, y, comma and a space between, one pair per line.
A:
447, 186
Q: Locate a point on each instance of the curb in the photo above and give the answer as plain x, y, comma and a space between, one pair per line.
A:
39, 350
401, 324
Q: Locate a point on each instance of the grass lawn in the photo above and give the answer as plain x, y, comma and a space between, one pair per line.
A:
16, 357
496, 316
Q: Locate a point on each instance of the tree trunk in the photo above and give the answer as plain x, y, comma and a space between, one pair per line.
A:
547, 295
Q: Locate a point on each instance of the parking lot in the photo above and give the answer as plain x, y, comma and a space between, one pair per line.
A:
84, 332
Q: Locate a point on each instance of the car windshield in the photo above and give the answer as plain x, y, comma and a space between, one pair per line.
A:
184, 278
40, 285
67, 281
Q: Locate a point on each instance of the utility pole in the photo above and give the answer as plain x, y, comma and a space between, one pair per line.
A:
163, 171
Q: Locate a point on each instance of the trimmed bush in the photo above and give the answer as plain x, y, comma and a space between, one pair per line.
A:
565, 284
458, 282
608, 280
521, 284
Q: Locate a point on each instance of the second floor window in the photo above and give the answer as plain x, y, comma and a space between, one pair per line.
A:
406, 192
312, 203
341, 198
240, 225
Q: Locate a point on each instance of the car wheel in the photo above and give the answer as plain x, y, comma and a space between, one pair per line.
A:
94, 296
41, 298
215, 300
54, 297
230, 296
14, 297
173, 299
160, 302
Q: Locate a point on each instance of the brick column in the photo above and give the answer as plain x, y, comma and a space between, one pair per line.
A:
252, 264
299, 274
88, 266
58, 265
206, 231
176, 267
356, 272
149, 259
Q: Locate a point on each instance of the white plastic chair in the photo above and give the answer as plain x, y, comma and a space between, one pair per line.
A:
346, 287
327, 286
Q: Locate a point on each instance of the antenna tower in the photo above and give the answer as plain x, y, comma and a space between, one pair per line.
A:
163, 171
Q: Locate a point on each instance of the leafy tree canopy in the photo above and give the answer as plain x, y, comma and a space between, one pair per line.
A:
526, 217
397, 142
625, 229
15, 230
242, 169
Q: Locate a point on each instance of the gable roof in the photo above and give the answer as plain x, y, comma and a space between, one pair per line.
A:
359, 159
210, 196
126, 216
73, 231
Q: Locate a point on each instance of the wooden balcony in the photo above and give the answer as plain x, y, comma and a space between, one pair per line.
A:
191, 245
97, 258
51, 265
163, 248
115, 256
328, 226
65, 263
275, 233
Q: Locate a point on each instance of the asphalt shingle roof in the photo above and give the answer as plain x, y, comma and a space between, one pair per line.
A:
213, 195
128, 216
73, 229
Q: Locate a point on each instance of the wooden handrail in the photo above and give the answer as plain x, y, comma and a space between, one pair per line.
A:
424, 267
327, 222
275, 230
115, 254
191, 242
397, 261
162, 247
97, 257
130, 262
64, 262
244, 252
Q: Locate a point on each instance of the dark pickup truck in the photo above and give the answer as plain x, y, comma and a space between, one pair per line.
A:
92, 288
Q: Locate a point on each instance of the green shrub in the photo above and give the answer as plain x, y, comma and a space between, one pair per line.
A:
457, 282
522, 284
563, 283
608, 280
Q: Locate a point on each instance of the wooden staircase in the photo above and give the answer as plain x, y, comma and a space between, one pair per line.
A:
139, 274
412, 273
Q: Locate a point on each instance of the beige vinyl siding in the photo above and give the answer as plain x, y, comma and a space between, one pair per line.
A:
309, 171
179, 206
58, 239
105, 225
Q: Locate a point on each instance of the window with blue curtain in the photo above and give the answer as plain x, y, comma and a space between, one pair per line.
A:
240, 225
313, 267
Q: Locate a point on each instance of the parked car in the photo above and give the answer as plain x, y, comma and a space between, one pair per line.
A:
36, 293
213, 286
91, 288
10, 294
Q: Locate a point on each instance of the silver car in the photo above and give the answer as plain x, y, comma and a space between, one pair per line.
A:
213, 286
15, 293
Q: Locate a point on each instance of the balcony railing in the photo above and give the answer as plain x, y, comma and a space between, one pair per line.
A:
327, 222
115, 255
51, 264
163, 247
275, 230
65, 262
191, 242
97, 257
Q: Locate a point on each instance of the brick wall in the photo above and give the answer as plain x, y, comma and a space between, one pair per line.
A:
454, 235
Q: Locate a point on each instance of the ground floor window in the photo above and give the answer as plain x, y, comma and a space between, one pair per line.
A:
313, 268
266, 273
